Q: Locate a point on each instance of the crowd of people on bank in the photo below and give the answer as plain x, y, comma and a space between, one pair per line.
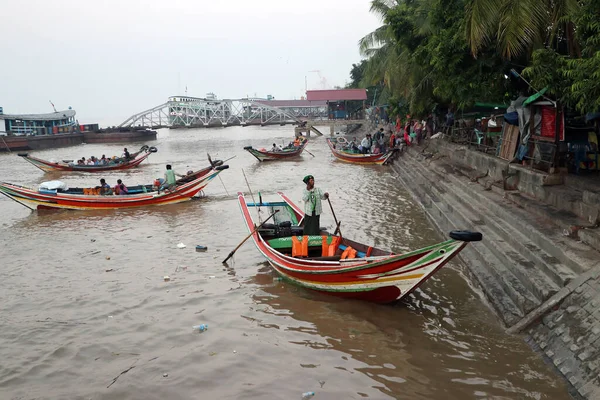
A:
407, 133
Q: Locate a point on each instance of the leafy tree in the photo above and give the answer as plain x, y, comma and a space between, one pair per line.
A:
520, 26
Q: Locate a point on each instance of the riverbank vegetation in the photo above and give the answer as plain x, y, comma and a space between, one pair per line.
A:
455, 53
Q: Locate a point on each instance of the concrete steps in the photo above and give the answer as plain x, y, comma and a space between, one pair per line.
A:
502, 244
591, 237
513, 263
543, 234
484, 265
489, 208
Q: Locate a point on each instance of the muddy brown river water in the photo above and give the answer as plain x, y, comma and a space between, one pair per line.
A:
69, 327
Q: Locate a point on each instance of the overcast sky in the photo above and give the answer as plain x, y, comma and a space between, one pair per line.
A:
109, 59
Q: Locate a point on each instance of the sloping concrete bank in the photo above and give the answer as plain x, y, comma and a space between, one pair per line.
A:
538, 280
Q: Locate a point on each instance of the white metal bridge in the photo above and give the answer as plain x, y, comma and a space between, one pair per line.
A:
182, 111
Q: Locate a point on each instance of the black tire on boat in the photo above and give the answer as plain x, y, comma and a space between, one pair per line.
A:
466, 236
144, 147
247, 147
222, 167
152, 149
22, 154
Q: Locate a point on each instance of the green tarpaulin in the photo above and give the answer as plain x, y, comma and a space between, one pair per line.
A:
534, 97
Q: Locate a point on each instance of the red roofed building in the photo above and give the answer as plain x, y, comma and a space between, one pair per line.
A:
336, 95
341, 103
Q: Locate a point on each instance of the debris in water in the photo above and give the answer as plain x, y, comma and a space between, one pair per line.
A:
109, 270
181, 246
166, 278
201, 248
165, 375
107, 257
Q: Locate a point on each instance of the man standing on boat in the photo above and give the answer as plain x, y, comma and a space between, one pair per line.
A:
170, 179
312, 197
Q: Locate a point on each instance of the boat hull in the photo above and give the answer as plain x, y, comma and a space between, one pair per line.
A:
364, 159
48, 166
276, 155
382, 278
36, 199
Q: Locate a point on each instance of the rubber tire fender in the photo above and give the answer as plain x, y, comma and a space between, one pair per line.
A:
466, 236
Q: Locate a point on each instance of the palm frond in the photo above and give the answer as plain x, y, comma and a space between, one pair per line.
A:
522, 24
381, 7
375, 39
481, 22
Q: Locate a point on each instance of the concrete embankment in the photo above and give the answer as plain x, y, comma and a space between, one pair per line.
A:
539, 263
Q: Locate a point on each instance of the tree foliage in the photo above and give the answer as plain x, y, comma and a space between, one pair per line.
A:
454, 53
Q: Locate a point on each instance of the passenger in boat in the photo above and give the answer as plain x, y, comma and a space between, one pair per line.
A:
276, 148
312, 197
365, 144
81, 162
354, 146
103, 160
377, 149
104, 187
120, 188
170, 178
126, 154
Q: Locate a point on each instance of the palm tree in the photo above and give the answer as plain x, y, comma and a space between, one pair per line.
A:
378, 46
520, 26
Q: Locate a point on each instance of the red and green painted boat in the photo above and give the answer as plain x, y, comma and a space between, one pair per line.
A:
134, 160
374, 275
285, 154
337, 148
89, 198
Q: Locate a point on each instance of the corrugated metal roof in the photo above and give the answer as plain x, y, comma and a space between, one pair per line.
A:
336, 95
292, 103
40, 117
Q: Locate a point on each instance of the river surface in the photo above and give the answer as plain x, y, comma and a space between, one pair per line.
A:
83, 296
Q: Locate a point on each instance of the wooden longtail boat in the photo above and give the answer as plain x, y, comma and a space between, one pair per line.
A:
264, 155
373, 275
357, 158
134, 160
90, 199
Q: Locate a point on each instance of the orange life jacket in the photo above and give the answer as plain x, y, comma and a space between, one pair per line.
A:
349, 253
299, 248
329, 249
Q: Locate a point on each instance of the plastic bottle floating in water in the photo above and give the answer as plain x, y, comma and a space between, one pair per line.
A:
200, 328
307, 395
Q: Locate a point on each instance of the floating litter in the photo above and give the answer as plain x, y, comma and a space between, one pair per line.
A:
181, 246
166, 278
201, 248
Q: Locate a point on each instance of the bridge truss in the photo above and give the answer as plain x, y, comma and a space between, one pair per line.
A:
211, 112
